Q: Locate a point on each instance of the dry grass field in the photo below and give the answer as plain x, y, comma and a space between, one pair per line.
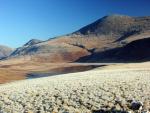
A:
18, 69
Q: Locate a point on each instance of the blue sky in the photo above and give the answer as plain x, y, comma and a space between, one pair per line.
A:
22, 20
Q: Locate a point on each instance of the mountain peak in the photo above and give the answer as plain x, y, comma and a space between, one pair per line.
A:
117, 15
32, 42
108, 25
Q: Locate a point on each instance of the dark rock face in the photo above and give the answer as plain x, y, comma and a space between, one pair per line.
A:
5, 51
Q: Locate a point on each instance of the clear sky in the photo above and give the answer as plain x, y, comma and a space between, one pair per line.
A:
22, 20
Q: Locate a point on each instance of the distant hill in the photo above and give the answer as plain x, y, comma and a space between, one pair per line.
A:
108, 33
5, 51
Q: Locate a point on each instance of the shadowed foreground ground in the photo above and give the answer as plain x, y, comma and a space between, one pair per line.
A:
97, 91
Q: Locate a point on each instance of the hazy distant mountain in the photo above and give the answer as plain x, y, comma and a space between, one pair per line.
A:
105, 34
5, 51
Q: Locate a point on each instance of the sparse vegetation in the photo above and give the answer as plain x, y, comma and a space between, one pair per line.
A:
94, 91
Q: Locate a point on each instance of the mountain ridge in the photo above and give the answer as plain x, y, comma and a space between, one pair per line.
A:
106, 33
32, 41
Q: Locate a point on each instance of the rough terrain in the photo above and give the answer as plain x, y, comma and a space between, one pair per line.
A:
124, 89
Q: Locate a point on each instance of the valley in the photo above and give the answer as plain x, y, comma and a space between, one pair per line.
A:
103, 67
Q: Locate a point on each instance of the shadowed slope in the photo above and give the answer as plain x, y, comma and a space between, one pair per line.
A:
135, 51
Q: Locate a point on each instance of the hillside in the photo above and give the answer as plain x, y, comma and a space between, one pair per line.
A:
117, 26
32, 42
137, 50
106, 33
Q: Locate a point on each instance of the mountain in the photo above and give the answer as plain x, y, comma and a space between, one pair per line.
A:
137, 50
108, 33
50, 51
116, 26
32, 42
5, 51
